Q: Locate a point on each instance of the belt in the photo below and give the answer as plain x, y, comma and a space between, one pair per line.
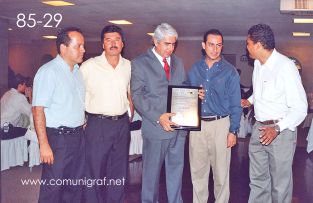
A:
212, 118
66, 130
114, 118
269, 122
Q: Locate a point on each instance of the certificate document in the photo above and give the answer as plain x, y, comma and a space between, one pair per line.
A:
185, 103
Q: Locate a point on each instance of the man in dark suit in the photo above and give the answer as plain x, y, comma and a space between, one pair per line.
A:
152, 72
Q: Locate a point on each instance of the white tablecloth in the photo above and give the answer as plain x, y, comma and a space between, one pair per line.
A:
310, 139
33, 148
307, 121
245, 125
135, 146
13, 152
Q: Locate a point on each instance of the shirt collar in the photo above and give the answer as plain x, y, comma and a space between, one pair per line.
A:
104, 59
160, 58
64, 65
217, 65
14, 90
270, 61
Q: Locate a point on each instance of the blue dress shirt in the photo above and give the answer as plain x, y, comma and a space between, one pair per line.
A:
221, 83
61, 92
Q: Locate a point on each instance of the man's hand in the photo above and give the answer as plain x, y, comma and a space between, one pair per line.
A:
268, 134
201, 94
165, 122
245, 103
46, 154
231, 140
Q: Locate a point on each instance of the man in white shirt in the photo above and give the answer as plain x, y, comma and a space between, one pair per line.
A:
14, 105
280, 105
107, 80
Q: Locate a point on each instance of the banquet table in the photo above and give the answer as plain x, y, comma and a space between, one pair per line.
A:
13, 152
310, 139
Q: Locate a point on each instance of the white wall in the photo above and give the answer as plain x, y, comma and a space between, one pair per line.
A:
3, 56
25, 58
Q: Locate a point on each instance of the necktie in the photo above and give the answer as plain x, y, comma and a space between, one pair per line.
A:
166, 69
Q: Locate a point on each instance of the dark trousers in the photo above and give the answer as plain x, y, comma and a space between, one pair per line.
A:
62, 177
107, 143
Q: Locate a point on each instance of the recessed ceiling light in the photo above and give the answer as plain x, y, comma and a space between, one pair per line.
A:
10, 29
49, 37
150, 33
302, 20
301, 34
121, 22
58, 3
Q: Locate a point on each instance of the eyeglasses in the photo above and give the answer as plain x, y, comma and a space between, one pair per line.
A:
212, 45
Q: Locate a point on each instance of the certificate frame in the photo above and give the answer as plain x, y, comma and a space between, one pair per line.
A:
195, 125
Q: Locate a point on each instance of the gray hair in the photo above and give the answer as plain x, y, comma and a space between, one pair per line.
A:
164, 29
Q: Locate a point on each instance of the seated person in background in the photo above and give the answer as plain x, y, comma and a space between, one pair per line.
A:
15, 109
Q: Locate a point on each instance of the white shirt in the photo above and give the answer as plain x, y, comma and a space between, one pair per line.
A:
13, 104
160, 58
278, 93
106, 87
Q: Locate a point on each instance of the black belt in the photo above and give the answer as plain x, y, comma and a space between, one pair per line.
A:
269, 122
114, 118
66, 130
213, 118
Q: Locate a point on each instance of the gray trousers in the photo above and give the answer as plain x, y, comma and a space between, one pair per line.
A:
154, 153
271, 167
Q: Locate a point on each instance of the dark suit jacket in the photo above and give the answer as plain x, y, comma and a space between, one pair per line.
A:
149, 88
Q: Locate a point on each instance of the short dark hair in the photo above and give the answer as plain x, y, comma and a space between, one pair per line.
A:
64, 38
19, 80
212, 32
264, 34
110, 29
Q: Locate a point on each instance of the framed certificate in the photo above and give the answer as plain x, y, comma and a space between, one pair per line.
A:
185, 102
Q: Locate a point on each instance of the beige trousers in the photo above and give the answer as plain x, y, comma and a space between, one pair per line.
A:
208, 148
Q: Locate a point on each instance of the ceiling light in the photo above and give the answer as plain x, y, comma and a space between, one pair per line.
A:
302, 20
9, 29
58, 3
150, 33
120, 22
49, 37
301, 34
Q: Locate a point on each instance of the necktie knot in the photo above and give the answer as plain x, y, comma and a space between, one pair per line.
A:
166, 68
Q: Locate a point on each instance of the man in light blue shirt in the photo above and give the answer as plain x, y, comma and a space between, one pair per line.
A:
58, 109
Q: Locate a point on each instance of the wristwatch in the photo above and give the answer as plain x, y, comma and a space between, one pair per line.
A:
277, 129
234, 132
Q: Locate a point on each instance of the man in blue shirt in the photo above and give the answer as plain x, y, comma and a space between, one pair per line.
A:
58, 109
220, 118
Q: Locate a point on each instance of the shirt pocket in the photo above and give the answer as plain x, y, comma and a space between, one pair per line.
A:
271, 91
218, 88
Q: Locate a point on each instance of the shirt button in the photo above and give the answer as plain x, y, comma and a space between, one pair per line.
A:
207, 80
204, 110
206, 90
